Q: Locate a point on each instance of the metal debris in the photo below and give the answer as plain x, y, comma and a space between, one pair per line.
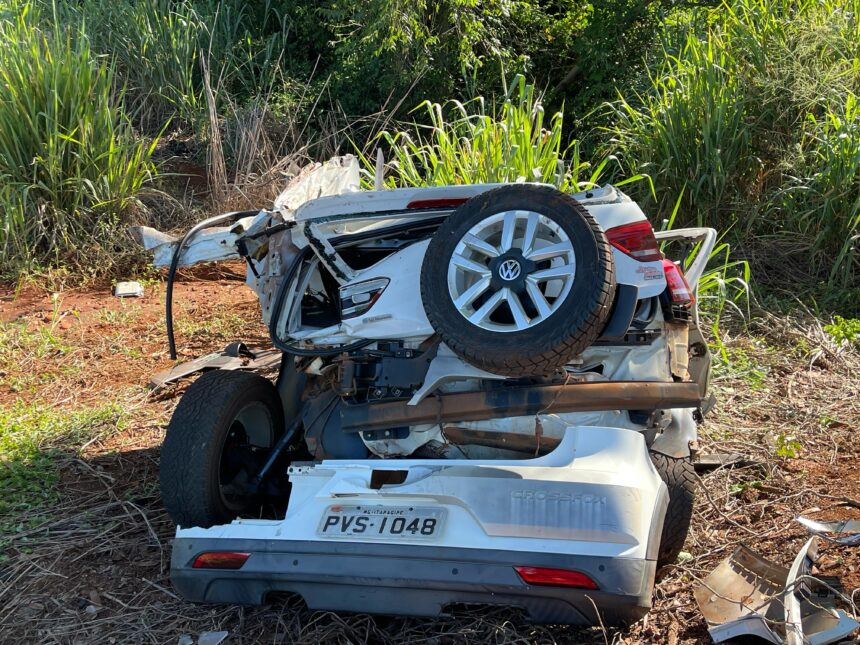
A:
128, 290
747, 595
258, 360
845, 526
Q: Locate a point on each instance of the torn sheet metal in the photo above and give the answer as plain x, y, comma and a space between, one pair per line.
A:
736, 598
845, 526
216, 243
747, 595
336, 176
810, 618
262, 359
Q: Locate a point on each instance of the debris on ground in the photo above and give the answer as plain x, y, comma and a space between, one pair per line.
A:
128, 290
705, 462
748, 595
842, 526
212, 638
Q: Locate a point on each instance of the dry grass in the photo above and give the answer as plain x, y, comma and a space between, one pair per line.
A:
96, 570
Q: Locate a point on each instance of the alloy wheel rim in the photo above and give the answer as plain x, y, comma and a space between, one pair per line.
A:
511, 271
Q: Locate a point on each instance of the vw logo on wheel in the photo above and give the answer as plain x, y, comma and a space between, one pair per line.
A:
509, 270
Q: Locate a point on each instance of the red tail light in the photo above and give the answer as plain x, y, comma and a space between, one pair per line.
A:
444, 202
220, 560
545, 577
679, 290
636, 240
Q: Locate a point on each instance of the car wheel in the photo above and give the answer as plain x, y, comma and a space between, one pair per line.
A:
679, 475
217, 439
518, 280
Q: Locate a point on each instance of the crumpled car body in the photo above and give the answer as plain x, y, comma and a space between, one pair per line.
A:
431, 480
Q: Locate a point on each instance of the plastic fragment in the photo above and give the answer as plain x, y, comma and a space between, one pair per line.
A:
212, 638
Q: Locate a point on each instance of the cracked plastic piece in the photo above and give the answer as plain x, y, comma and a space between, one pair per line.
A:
747, 595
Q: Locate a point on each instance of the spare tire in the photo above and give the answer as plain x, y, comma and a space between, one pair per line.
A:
518, 280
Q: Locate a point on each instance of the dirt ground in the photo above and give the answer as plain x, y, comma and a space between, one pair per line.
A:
92, 565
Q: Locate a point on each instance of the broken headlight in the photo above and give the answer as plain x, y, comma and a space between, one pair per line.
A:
356, 299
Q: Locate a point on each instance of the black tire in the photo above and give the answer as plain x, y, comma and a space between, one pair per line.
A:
567, 331
193, 460
679, 476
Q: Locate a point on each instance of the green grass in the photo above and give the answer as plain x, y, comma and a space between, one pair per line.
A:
17, 342
844, 331
736, 363
70, 164
477, 142
750, 107
33, 439
219, 326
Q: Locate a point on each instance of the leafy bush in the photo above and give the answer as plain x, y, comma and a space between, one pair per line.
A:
70, 165
844, 331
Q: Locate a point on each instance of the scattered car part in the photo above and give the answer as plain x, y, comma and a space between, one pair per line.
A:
212, 638
258, 360
128, 290
747, 595
813, 621
704, 462
821, 529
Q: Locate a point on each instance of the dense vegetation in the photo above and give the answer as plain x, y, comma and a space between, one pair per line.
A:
743, 115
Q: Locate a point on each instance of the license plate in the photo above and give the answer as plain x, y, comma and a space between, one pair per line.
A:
382, 522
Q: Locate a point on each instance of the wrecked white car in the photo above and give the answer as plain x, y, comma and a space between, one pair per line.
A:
486, 394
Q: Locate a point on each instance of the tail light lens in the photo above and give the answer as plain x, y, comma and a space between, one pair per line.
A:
676, 283
636, 240
547, 577
356, 299
220, 560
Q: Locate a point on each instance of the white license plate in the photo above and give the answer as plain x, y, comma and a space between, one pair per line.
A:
382, 522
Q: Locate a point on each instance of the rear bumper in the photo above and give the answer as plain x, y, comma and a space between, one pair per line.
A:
594, 505
412, 580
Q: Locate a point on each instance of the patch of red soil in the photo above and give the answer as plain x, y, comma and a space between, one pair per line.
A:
101, 343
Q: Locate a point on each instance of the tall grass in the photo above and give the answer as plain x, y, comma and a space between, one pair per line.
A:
158, 47
689, 131
155, 47
70, 165
750, 107
465, 143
